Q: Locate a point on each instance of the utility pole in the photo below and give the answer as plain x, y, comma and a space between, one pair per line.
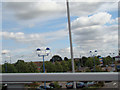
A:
70, 37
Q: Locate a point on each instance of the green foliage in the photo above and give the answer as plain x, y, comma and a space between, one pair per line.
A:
32, 68
50, 67
100, 83
88, 70
64, 66
56, 85
69, 63
77, 64
84, 60
98, 69
89, 62
65, 58
107, 60
0, 68
97, 62
10, 68
58, 67
20, 67
3, 68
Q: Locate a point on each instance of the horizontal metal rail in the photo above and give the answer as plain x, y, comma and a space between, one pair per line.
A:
30, 77
16, 82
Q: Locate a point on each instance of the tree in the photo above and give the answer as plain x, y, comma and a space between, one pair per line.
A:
57, 85
69, 65
77, 64
51, 60
65, 59
58, 67
84, 59
64, 66
98, 69
32, 68
107, 60
89, 62
56, 58
21, 66
10, 68
50, 67
97, 62
98, 56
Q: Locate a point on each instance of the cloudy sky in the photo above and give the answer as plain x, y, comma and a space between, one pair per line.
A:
29, 25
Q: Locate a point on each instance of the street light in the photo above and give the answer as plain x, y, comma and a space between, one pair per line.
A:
43, 53
93, 54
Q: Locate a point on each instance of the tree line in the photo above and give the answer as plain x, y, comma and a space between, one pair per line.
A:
20, 67
56, 64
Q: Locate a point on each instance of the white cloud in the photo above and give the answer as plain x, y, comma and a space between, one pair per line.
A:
5, 51
60, 0
37, 38
114, 21
26, 11
30, 11
94, 34
110, 6
100, 18
12, 35
93, 37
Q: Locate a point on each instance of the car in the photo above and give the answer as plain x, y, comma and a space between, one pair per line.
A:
60, 85
4, 86
90, 84
112, 65
80, 84
43, 88
52, 85
118, 68
69, 85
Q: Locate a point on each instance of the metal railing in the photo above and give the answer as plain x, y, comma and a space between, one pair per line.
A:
31, 77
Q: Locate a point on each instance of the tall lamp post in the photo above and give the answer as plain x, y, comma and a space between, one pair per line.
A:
93, 54
70, 37
43, 53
